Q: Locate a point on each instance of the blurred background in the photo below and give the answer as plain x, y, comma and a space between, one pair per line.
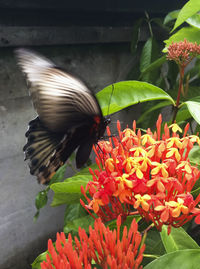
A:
91, 39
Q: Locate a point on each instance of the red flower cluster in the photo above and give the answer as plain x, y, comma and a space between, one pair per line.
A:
183, 52
147, 175
102, 247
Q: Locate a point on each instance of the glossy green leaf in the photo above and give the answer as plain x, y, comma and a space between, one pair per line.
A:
184, 259
190, 33
189, 9
194, 109
38, 260
71, 185
65, 198
171, 16
194, 20
69, 191
127, 93
178, 239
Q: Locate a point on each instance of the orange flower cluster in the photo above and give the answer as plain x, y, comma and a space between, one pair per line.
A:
147, 175
183, 52
102, 247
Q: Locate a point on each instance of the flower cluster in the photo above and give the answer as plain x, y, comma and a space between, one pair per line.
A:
146, 175
102, 247
183, 52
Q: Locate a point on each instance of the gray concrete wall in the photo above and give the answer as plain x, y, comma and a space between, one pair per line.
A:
21, 240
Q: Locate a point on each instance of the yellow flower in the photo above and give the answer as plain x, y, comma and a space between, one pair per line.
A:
147, 138
138, 151
194, 138
175, 128
174, 141
160, 167
186, 166
179, 207
142, 200
173, 151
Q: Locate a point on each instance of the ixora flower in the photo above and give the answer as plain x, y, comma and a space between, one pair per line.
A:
183, 52
102, 247
146, 175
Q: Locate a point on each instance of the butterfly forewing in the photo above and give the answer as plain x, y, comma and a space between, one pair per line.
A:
61, 100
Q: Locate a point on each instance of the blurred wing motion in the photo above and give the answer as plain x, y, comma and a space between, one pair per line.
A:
69, 116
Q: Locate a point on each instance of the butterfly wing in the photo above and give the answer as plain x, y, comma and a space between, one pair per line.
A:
69, 116
61, 100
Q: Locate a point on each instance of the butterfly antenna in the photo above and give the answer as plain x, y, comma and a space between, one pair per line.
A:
110, 99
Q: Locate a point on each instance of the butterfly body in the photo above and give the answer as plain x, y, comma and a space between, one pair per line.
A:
69, 116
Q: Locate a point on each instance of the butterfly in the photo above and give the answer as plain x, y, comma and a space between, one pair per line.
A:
69, 116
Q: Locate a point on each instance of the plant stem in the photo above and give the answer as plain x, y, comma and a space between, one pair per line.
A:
149, 24
182, 67
145, 233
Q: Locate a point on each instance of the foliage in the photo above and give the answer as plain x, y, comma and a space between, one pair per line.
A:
167, 79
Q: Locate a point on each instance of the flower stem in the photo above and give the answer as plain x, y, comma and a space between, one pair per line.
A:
182, 67
145, 233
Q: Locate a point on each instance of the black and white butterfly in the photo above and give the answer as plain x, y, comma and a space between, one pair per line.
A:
69, 116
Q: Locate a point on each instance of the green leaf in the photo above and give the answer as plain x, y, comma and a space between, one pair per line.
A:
194, 155
38, 260
63, 198
41, 199
194, 109
157, 106
145, 59
182, 115
153, 243
171, 16
184, 259
59, 175
189, 9
127, 93
178, 239
154, 65
190, 33
150, 53
194, 20
83, 222
154, 246
69, 191
71, 185
135, 35
76, 216
85, 171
